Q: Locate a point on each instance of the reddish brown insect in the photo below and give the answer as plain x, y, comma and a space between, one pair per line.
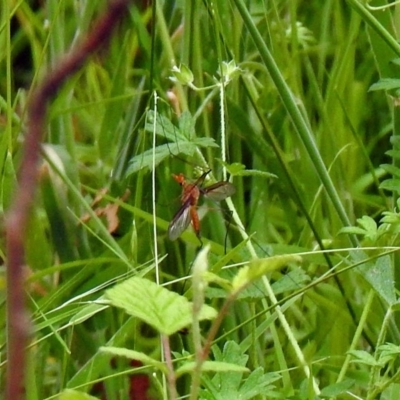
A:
190, 196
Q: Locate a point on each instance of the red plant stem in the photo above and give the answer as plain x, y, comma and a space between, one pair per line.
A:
18, 325
171, 378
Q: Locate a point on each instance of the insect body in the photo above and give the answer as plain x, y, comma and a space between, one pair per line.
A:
190, 196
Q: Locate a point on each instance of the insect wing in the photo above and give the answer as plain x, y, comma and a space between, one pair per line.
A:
180, 221
219, 191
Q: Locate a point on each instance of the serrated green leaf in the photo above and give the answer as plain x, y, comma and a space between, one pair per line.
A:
337, 389
389, 349
385, 84
369, 228
364, 357
164, 127
145, 160
213, 366
70, 394
237, 169
184, 132
231, 384
232, 354
165, 311
134, 355
234, 168
391, 184
257, 383
391, 169
393, 153
367, 223
187, 124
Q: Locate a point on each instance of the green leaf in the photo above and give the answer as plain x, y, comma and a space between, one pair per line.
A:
369, 228
145, 160
213, 366
187, 124
391, 184
232, 354
367, 223
260, 267
337, 389
380, 275
182, 140
396, 306
391, 169
396, 61
165, 311
234, 168
385, 84
393, 153
237, 169
363, 357
258, 383
389, 349
230, 384
164, 127
294, 280
134, 355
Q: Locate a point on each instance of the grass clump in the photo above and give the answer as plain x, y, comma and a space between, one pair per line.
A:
294, 291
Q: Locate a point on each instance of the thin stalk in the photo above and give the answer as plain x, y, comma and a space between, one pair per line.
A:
171, 373
374, 375
375, 25
357, 335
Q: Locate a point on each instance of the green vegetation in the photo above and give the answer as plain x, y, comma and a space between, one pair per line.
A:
293, 294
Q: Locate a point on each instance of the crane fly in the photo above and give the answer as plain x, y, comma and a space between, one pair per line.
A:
191, 193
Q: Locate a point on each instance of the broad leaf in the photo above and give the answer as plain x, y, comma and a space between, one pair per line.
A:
165, 311
380, 275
